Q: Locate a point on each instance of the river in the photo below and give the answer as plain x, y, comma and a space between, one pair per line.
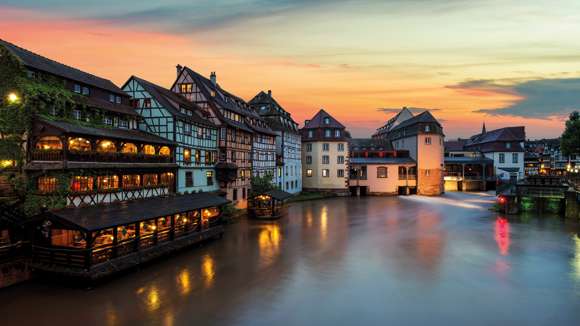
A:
344, 261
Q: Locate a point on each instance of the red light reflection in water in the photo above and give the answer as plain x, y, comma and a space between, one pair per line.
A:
502, 235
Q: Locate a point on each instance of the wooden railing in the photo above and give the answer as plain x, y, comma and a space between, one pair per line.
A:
44, 155
12, 250
91, 156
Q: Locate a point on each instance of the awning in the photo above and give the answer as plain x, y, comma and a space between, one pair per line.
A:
510, 169
101, 217
278, 194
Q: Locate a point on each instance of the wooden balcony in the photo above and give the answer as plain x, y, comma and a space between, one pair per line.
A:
92, 156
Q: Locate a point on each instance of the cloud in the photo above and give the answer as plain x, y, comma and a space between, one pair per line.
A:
539, 98
412, 109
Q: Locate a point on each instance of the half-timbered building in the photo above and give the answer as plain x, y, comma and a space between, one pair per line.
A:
230, 114
91, 152
288, 174
173, 117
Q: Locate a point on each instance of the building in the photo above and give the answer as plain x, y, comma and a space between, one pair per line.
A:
422, 136
377, 169
263, 147
90, 152
288, 174
230, 114
505, 146
325, 154
466, 170
171, 116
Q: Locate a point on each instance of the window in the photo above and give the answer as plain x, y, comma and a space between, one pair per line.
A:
382, 172
107, 120
112, 98
327, 133
123, 124
427, 140
310, 134
340, 159
81, 184
341, 147
325, 173
49, 143
148, 150
46, 184
147, 103
167, 179
235, 194
309, 147
287, 185
187, 155
186, 88
165, 151
340, 173
197, 156
209, 176
308, 159
86, 90
514, 157
325, 159
77, 114
118, 99
129, 148
189, 179
131, 181
427, 173
309, 172
79, 145
501, 157
150, 180
106, 146
427, 128
326, 120
108, 182
508, 145
325, 147
77, 89
337, 133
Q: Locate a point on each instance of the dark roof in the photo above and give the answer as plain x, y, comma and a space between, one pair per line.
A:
454, 145
105, 216
510, 134
422, 117
318, 121
173, 101
278, 194
116, 133
509, 169
273, 113
357, 144
38, 62
105, 105
469, 160
381, 160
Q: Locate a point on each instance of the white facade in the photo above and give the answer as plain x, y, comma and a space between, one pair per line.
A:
289, 174
510, 161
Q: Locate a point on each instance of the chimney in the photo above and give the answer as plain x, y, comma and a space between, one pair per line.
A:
178, 68
213, 78
270, 93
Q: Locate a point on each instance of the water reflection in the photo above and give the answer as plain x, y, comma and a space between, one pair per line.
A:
576, 260
324, 223
269, 243
150, 297
208, 271
502, 235
184, 282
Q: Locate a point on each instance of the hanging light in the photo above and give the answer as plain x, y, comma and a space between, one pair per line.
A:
13, 98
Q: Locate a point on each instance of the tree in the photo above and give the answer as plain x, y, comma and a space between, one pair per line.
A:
570, 142
262, 184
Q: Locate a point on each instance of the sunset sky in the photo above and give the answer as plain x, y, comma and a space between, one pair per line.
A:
502, 62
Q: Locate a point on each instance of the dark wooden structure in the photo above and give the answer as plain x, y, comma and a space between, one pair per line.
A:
268, 205
11, 245
90, 243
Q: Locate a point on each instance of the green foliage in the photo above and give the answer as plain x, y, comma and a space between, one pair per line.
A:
570, 142
262, 184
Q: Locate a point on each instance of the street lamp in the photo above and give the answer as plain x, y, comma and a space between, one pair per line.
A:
13, 98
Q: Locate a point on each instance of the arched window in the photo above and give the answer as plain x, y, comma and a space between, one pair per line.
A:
148, 150
164, 151
106, 146
382, 172
49, 143
129, 148
79, 144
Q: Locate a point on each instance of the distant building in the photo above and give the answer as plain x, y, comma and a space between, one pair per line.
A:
173, 117
546, 156
422, 136
325, 154
466, 169
230, 114
505, 146
288, 175
378, 169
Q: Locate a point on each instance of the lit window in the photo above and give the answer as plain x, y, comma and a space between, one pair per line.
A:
209, 176
150, 180
81, 184
167, 178
148, 150
197, 156
131, 181
164, 151
309, 172
46, 184
129, 148
185, 88
106, 146
79, 145
325, 173
49, 143
108, 182
187, 155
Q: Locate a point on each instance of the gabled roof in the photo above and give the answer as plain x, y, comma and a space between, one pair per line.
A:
401, 116
115, 133
455, 145
318, 121
360, 144
507, 134
173, 102
38, 62
422, 117
273, 113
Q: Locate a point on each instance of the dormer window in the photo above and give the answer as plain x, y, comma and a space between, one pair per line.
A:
326, 120
427, 128
337, 133
86, 91
310, 134
508, 145
186, 88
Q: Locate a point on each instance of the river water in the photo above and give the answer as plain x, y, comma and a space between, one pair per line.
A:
344, 261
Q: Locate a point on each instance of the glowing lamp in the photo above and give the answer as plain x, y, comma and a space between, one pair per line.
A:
501, 200
13, 98
6, 163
